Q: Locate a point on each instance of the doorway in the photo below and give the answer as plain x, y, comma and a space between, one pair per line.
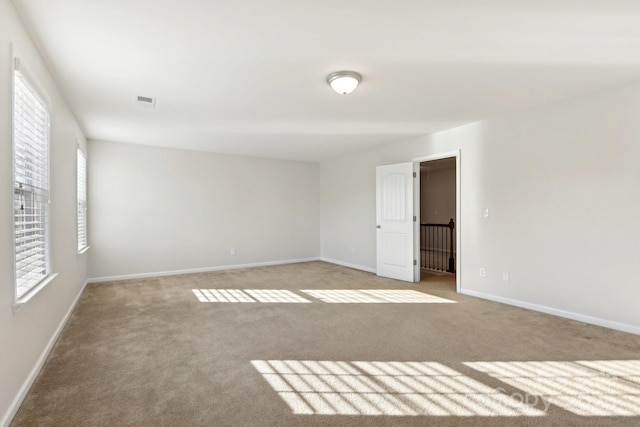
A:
437, 206
438, 216
398, 218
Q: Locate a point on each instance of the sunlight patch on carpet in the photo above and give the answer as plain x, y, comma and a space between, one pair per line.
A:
248, 295
275, 295
385, 388
587, 388
375, 296
222, 295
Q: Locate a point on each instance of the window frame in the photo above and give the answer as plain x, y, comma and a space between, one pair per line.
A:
81, 204
21, 298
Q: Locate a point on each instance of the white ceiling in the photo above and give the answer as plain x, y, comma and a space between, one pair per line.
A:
248, 76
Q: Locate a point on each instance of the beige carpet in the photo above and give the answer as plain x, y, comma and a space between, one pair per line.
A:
290, 352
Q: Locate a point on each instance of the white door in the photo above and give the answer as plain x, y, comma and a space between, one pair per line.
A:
394, 221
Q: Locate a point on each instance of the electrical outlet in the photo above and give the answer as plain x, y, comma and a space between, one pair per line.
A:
485, 212
505, 276
483, 272
233, 251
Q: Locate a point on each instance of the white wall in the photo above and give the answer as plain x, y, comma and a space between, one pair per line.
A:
561, 184
26, 334
154, 210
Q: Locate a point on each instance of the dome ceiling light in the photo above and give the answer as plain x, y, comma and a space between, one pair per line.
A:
344, 82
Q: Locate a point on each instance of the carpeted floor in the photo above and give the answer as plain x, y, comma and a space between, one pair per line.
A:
155, 352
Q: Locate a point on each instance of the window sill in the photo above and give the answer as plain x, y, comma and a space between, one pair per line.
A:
83, 250
32, 292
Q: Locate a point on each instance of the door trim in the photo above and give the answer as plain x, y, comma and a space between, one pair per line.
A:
416, 206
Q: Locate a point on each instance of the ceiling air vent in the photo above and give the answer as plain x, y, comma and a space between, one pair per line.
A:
145, 101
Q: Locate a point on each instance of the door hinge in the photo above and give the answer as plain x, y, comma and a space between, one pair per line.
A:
414, 218
415, 175
415, 262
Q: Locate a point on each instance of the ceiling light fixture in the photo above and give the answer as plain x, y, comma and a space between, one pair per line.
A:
344, 82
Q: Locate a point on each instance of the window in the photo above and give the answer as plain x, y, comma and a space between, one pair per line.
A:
82, 201
31, 185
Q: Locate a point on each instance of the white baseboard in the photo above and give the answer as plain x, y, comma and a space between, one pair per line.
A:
26, 386
196, 270
347, 264
556, 312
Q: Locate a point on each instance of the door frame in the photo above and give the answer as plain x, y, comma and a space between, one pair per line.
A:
416, 207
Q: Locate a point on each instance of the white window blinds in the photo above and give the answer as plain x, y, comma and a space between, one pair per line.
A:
82, 201
31, 185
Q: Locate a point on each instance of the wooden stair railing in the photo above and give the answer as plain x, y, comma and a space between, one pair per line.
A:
436, 247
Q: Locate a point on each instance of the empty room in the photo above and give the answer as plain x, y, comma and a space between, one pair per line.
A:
297, 213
